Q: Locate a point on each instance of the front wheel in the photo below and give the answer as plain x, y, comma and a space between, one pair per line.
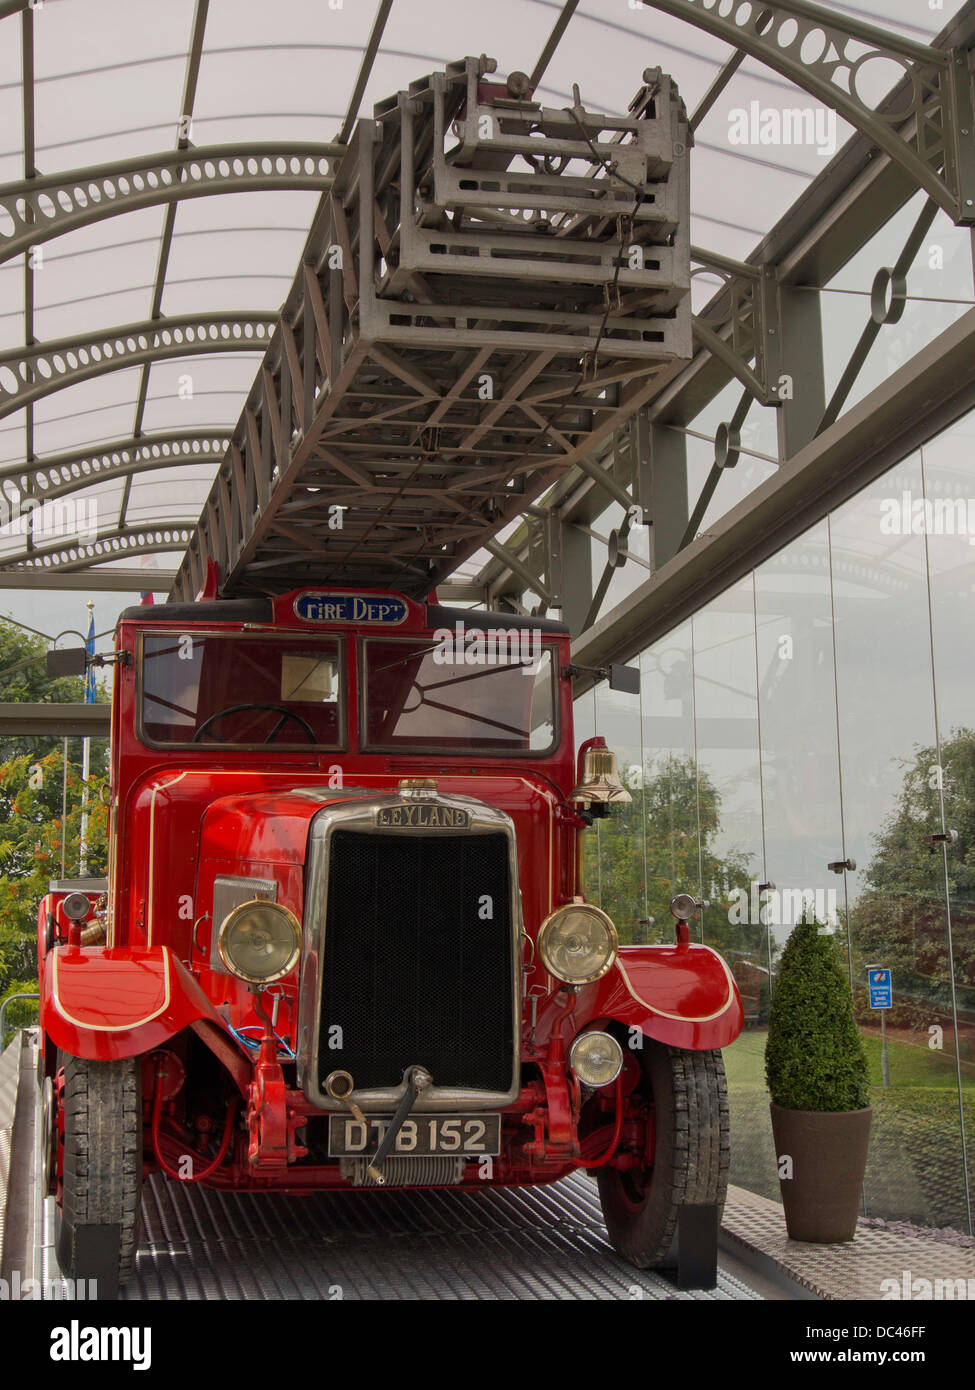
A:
687, 1097
98, 1210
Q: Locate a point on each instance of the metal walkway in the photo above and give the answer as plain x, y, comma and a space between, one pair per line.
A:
544, 1243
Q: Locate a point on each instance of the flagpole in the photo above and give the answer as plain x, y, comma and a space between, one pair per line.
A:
86, 747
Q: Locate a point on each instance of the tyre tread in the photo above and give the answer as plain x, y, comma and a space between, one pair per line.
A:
692, 1158
102, 1156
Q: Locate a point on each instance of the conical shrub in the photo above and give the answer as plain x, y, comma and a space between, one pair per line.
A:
814, 1058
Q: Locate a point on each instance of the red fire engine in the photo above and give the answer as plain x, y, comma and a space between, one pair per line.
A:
344, 943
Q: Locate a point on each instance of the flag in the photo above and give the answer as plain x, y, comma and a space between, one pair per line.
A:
146, 598
89, 666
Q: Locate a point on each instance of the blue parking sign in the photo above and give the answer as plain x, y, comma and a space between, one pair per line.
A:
881, 989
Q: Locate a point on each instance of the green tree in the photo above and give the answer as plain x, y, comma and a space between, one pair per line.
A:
900, 920
31, 788
661, 844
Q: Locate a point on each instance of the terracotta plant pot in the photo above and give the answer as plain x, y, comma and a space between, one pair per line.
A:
828, 1150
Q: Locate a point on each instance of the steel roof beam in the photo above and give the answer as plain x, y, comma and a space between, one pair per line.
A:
115, 579
552, 42
37, 210
64, 720
365, 68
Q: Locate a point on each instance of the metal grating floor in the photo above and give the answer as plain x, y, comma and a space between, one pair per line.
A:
519, 1244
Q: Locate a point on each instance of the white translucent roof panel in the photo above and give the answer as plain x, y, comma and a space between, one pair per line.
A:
12, 304
87, 280
202, 391
265, 63
99, 64
167, 494
214, 267
907, 17
12, 438
11, 125
99, 409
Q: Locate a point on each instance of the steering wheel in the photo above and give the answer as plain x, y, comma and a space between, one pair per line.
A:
237, 709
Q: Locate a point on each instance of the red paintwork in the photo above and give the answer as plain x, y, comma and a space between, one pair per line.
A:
181, 817
107, 1004
691, 982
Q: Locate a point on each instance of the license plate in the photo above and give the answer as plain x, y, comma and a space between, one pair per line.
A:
421, 1135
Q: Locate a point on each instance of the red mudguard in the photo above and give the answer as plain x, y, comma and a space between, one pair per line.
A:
107, 1003
682, 995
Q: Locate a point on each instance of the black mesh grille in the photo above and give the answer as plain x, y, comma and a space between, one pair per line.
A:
411, 972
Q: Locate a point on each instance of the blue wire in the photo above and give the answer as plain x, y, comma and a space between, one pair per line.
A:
252, 1042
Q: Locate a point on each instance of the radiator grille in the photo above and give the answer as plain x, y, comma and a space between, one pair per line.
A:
412, 972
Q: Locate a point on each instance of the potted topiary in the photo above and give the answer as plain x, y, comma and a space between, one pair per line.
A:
817, 1077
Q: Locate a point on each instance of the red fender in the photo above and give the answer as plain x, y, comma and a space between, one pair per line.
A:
106, 1003
683, 995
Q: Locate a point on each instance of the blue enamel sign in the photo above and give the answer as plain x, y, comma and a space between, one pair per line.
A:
381, 610
881, 989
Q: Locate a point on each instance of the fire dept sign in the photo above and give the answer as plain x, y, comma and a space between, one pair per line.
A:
371, 610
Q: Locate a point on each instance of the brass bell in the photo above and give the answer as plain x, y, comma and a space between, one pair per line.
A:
600, 777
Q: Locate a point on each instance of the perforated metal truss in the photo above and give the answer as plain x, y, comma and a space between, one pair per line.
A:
27, 374
117, 543
491, 288
60, 474
927, 132
35, 210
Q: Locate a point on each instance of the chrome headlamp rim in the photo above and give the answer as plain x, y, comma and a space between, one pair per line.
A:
545, 931
580, 1041
234, 915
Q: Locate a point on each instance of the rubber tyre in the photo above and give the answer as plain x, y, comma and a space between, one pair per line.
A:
692, 1153
102, 1182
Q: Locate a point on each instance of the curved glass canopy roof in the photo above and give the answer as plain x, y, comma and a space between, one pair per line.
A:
130, 453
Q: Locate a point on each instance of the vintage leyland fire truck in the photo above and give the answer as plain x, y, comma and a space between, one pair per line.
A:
343, 942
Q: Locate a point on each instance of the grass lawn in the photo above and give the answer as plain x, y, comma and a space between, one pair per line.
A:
910, 1064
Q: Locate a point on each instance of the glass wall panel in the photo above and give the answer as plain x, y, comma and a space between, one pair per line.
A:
801, 802
820, 711
584, 726
618, 838
897, 903
797, 712
729, 774
669, 776
949, 488
732, 860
